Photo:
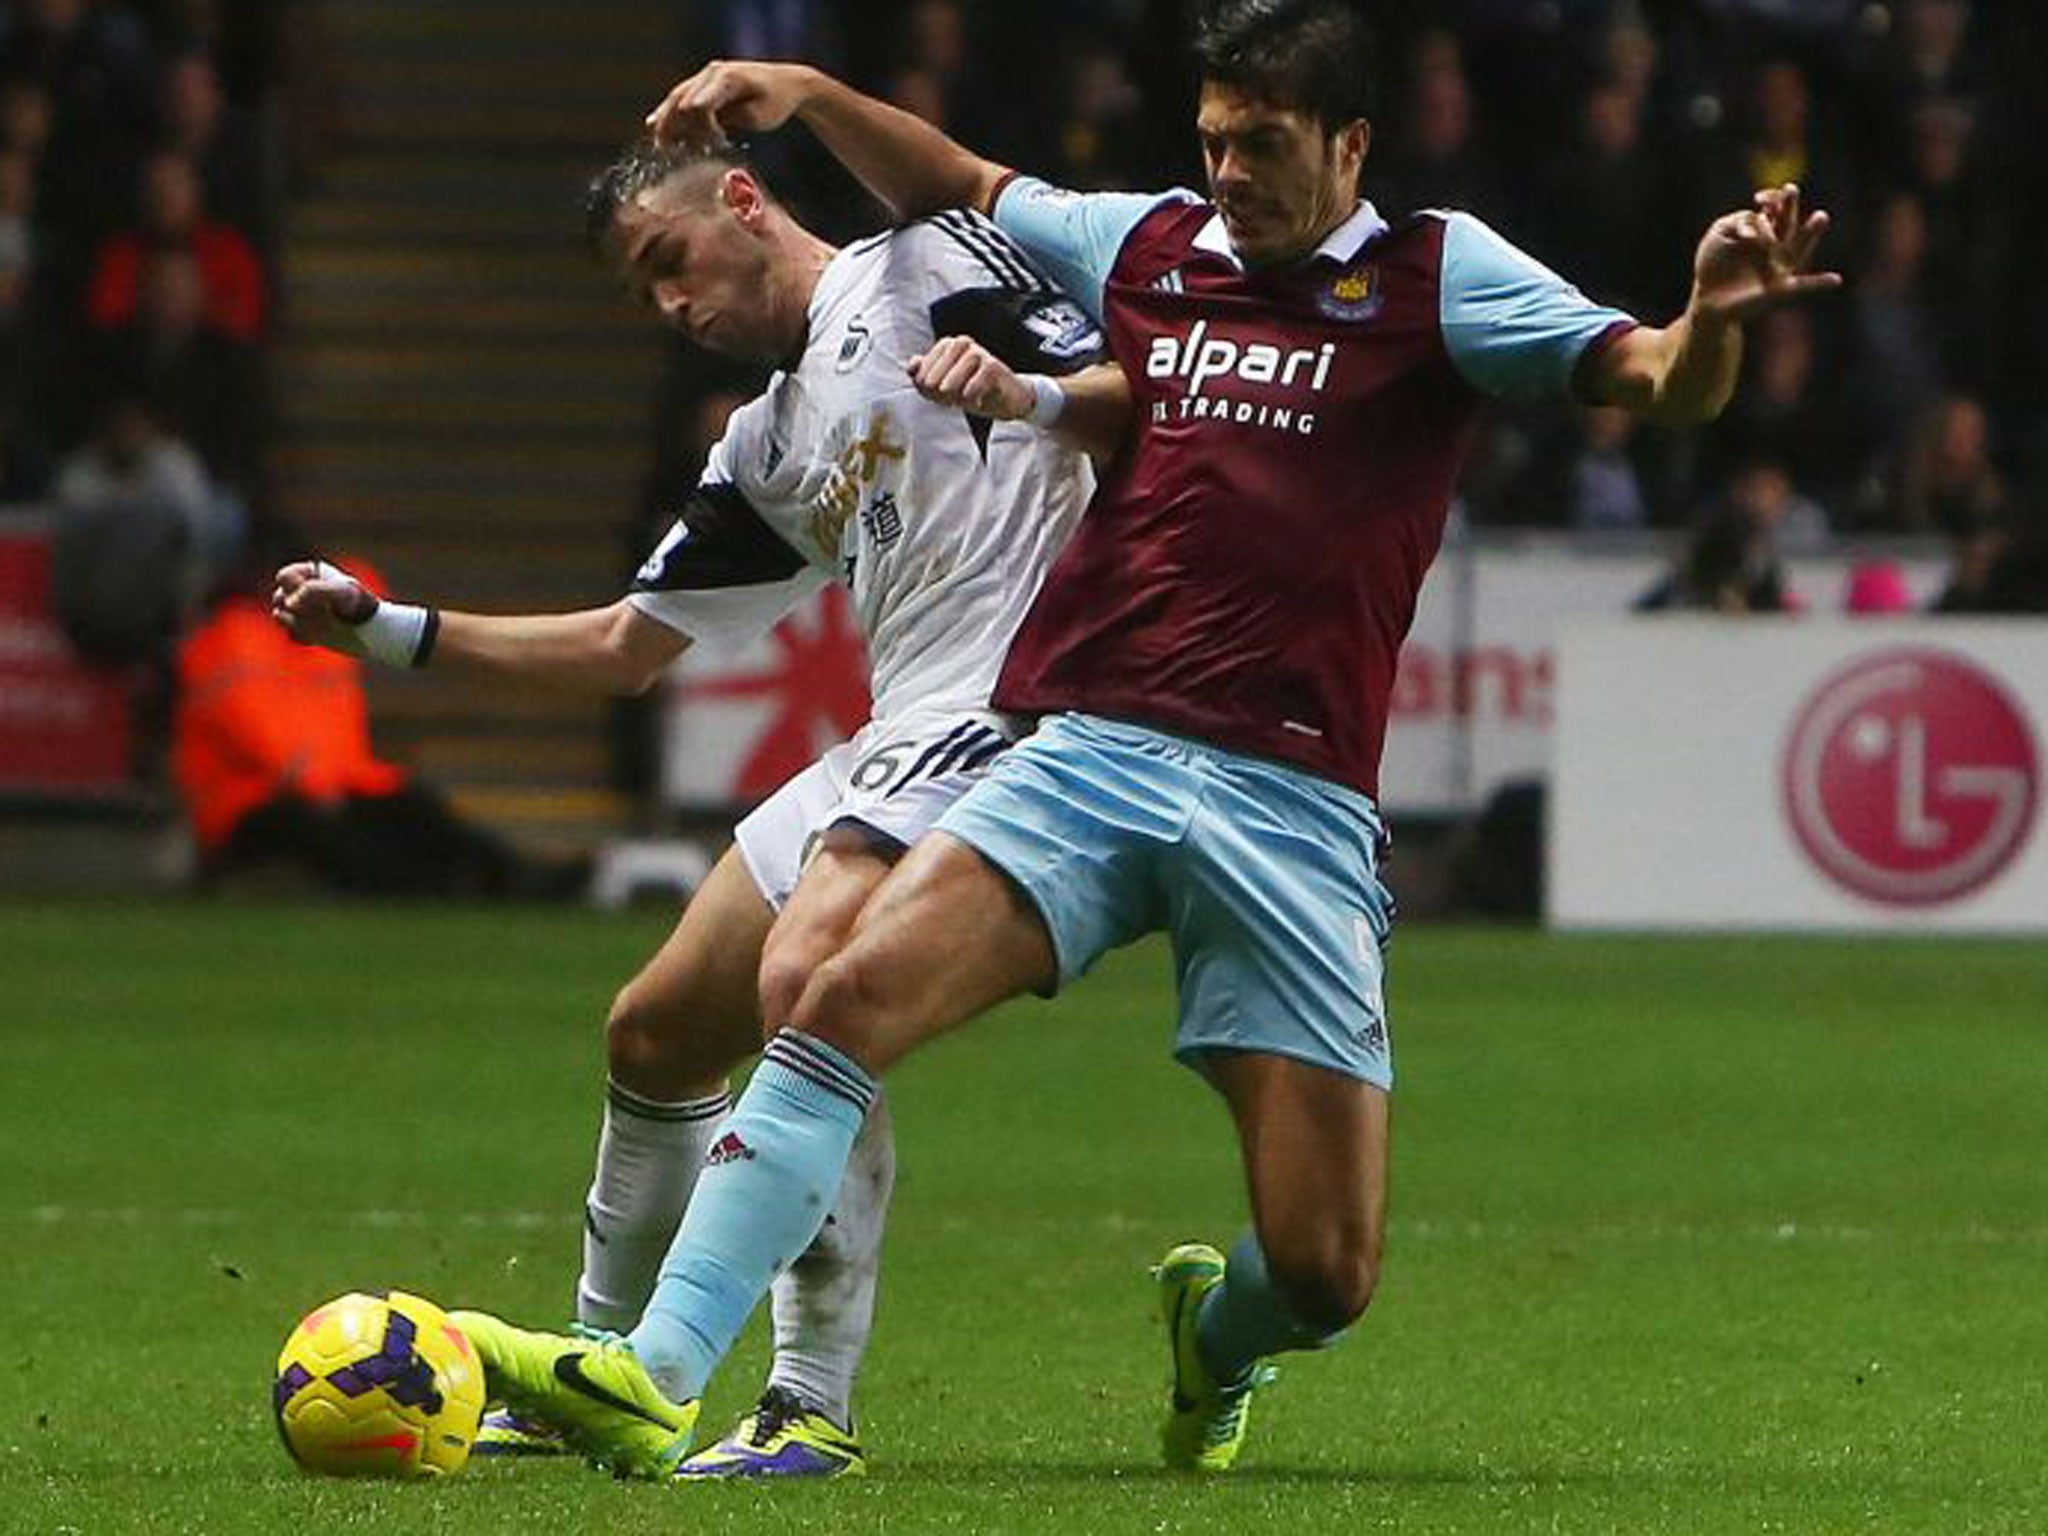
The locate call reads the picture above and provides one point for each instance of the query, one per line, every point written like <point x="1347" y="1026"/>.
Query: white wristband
<point x="1047" y="400"/>
<point x="397" y="634"/>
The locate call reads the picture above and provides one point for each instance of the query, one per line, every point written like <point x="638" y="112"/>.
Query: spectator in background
<point x="1947" y="481"/>
<point x="1600" y="209"/>
<point x="1782" y="412"/>
<point x="1731" y="562"/>
<point x="1777" y="141"/>
<point x="22" y="465"/>
<point x="26" y="116"/>
<point x="1436" y="162"/>
<point x="1580" y="472"/>
<point x="221" y="141"/>
<point x="203" y="379"/>
<point x="271" y="752"/>
<point x="1628" y="56"/>
<point x="1897" y="370"/>
<point x="1924" y="53"/>
<point x="133" y="460"/>
<point x="1966" y="222"/>
<point x="94" y="63"/>
<point x="173" y="217"/>
<point x="1603" y="491"/>
<point x="1933" y="57"/>
<point x="2000" y="567"/>
<point x="942" y="76"/>
<point x="1972" y="558"/>
<point x="1762" y="494"/>
<point x="1100" y="138"/>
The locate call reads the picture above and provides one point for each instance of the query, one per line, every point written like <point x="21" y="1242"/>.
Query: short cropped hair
<point x="1307" y="56"/>
<point x="640" y="168"/>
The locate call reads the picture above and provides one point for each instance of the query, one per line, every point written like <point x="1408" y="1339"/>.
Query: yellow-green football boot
<point x="1205" y="1419"/>
<point x="595" y="1391"/>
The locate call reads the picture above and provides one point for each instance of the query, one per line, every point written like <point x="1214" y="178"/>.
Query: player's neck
<point x="805" y="258"/>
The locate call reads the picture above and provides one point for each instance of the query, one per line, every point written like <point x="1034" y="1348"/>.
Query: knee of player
<point x="639" y="1035"/>
<point x="843" y="1002"/>
<point x="1329" y="1285"/>
<point x="785" y="971"/>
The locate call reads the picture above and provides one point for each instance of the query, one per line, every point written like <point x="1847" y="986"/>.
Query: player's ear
<point x="743" y="195"/>
<point x="1354" y="142"/>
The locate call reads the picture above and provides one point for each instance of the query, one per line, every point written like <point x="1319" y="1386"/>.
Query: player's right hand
<point x="320" y="604"/>
<point x="964" y="374"/>
<point x="727" y="97"/>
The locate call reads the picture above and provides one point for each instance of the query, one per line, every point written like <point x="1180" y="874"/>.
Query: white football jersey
<point x="942" y="524"/>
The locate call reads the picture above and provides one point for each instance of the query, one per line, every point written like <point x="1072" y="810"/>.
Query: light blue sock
<point x="1246" y="1318"/>
<point x="767" y="1187"/>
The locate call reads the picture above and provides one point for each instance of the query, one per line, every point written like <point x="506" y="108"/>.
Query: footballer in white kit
<point x="941" y="524"/>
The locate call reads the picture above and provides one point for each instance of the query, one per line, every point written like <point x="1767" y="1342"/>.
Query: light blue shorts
<point x="1265" y="877"/>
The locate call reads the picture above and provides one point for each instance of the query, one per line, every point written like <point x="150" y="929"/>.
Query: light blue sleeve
<point x="1513" y="326"/>
<point x="1075" y="236"/>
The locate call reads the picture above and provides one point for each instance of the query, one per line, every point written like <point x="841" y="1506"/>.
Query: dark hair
<point x="643" y="166"/>
<point x="1310" y="56"/>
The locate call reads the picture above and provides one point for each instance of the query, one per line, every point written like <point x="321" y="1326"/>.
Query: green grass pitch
<point x="1713" y="1235"/>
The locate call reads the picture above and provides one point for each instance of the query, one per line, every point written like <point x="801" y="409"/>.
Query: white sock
<point x="824" y="1304"/>
<point x="648" y="1157"/>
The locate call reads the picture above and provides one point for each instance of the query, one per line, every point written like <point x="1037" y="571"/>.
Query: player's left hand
<point x="1756" y="259"/>
<point x="962" y="373"/>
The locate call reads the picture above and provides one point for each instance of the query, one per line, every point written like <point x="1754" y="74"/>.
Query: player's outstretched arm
<point x="1090" y="408"/>
<point x="903" y="160"/>
<point x="616" y="649"/>
<point x="1747" y="262"/>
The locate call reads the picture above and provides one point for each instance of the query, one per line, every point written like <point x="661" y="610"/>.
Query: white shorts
<point x="893" y="780"/>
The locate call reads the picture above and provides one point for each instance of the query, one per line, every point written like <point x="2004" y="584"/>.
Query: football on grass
<point x="378" y="1386"/>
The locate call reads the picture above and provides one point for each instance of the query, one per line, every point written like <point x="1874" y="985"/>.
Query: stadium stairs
<point x="462" y="396"/>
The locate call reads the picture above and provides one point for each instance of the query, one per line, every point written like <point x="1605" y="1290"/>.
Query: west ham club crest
<point x="1354" y="294"/>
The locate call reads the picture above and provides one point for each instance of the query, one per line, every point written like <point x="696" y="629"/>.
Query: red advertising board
<point x="64" y="726"/>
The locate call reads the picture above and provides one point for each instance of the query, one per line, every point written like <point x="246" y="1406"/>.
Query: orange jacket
<point x="259" y="716"/>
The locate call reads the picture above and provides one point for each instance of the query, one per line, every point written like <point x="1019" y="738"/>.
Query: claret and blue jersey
<point x="1251" y="565"/>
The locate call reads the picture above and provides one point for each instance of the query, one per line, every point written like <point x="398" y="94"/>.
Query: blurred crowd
<point x="1603" y="136"/>
<point x="141" y="172"/>
<point x="143" y="157"/>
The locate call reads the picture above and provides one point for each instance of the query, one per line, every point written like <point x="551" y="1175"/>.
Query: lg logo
<point x="1911" y="777"/>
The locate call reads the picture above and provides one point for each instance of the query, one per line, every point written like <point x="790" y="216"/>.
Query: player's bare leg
<point x="945" y="938"/>
<point x="1314" y="1145"/>
<point x="942" y="938"/>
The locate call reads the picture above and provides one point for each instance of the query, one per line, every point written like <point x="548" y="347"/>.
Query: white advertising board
<point x="1801" y="774"/>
